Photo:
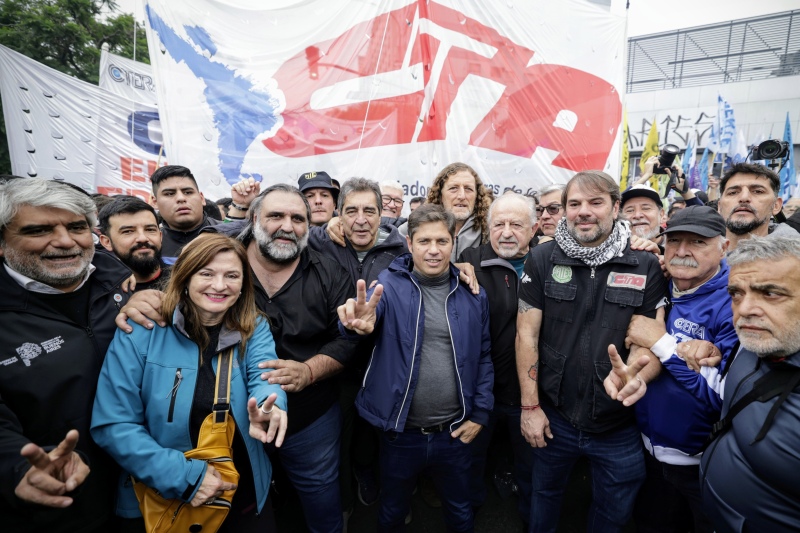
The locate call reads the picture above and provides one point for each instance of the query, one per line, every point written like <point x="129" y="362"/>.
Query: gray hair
<point x="391" y="184"/>
<point x="37" y="192"/>
<point x="515" y="197"/>
<point x="255" y="207"/>
<point x="360" y="185"/>
<point x="769" y="248"/>
<point x="552" y="188"/>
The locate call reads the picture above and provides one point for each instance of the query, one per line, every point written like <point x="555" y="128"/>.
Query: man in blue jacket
<point x="428" y="387"/>
<point x="681" y="405"/>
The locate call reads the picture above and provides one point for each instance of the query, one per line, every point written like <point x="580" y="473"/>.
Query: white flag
<point x="389" y="89"/>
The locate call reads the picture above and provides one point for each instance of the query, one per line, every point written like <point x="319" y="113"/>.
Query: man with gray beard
<point x="749" y="473"/>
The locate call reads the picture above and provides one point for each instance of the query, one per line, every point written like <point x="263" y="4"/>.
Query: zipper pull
<point x="178" y="379"/>
<point x="507" y="285"/>
<point x="592" y="273"/>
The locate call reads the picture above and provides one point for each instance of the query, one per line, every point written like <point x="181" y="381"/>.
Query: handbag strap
<point x="222" y="391"/>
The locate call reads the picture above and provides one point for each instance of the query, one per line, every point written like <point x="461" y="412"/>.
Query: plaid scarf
<point x="613" y="246"/>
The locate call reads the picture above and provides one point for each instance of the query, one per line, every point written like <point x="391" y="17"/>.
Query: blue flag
<point x="788" y="173"/>
<point x="703" y="170"/>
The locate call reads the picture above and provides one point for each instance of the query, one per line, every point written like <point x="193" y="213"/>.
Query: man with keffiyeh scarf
<point x="578" y="294"/>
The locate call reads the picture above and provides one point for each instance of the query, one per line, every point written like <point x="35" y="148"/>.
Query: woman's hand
<point x="211" y="487"/>
<point x="270" y="417"/>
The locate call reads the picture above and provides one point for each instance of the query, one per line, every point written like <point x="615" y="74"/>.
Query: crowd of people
<point x="362" y="352"/>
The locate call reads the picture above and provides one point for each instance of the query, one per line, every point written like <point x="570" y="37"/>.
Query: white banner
<point x="62" y="128"/>
<point x="527" y="92"/>
<point x="127" y="78"/>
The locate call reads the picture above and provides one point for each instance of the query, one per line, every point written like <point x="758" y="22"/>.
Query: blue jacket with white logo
<point x="391" y="378"/>
<point x="144" y="400"/>
<point x="676" y="414"/>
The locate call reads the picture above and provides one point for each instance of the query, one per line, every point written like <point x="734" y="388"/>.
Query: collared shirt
<point x="30" y="284"/>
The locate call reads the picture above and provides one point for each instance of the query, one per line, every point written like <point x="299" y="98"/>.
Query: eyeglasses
<point x="552" y="209"/>
<point x="391" y="200"/>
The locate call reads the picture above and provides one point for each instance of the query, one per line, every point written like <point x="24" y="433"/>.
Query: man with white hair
<point x="391" y="198"/>
<point x="749" y="473"/>
<point x="58" y="299"/>
<point x="643" y="208"/>
<point x="499" y="267"/>
<point x="550" y="209"/>
<point x="681" y="405"/>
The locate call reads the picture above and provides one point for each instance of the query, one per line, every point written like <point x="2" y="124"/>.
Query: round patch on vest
<point x="562" y="273"/>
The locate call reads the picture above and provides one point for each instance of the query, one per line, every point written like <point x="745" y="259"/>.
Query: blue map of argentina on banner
<point x="241" y="111"/>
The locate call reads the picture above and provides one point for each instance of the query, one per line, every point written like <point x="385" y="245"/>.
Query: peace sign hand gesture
<point x="359" y="315"/>
<point x="623" y="382"/>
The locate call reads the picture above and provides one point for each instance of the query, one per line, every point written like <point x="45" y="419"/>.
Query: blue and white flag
<point x="702" y="169"/>
<point x="740" y="151"/>
<point x="788" y="173"/>
<point x="723" y="130"/>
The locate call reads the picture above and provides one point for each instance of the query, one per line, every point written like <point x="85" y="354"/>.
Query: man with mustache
<point x="57" y="297"/>
<point x="577" y="296"/>
<point x="129" y="229"/>
<point x="300" y="291"/>
<point x="682" y="404"/>
<point x="749" y="198"/>
<point x="749" y="472"/>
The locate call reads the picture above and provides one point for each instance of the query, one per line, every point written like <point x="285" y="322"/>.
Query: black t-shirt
<point x="73" y="305"/>
<point x="244" y="500"/>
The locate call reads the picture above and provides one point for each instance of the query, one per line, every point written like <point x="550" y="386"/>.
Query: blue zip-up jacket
<point x="676" y="414"/>
<point x="393" y="371"/>
<point x="143" y="404"/>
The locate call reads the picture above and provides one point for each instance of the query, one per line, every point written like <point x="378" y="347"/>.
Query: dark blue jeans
<point x="310" y="458"/>
<point x="403" y="456"/>
<point x="616" y="460"/>
<point x="504" y="417"/>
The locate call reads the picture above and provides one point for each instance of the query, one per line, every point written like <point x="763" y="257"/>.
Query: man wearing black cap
<point x="321" y="194"/>
<point x="681" y="405"/>
<point x="642" y="207"/>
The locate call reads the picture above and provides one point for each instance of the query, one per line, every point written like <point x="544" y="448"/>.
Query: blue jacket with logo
<point x="681" y="405"/>
<point x="143" y="404"/>
<point x="393" y="371"/>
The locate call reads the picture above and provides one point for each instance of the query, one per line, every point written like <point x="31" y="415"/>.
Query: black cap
<point x="699" y="219"/>
<point x="317" y="180"/>
<point x="641" y="190"/>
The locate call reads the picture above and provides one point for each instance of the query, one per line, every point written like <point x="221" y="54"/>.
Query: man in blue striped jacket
<point x="681" y="405"/>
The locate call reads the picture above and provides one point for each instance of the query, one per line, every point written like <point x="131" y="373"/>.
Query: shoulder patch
<point x="562" y="273"/>
<point x="628" y="281"/>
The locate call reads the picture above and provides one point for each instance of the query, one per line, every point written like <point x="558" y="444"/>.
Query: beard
<point x="279" y="253"/>
<point x="645" y="232"/>
<point x="743" y="227"/>
<point x="779" y="344"/>
<point x="32" y="265"/>
<point x="603" y="228"/>
<point x="142" y="265"/>
<point x="508" y="253"/>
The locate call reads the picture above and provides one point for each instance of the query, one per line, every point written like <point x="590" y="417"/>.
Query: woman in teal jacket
<point x="157" y="386"/>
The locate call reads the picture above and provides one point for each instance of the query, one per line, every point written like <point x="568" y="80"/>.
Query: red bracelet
<point x="529" y="407"/>
<point x="310" y="372"/>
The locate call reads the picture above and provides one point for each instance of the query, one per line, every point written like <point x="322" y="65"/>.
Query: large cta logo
<point x="394" y="80"/>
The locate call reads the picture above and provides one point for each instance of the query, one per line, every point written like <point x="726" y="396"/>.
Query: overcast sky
<point x="648" y="16"/>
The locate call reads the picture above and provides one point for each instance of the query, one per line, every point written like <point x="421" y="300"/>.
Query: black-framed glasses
<point x="386" y="199"/>
<point x="552" y="209"/>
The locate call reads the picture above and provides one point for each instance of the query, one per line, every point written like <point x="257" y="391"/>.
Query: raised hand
<point x="359" y="315"/>
<point x="268" y="416"/>
<point x="244" y="192"/>
<point x="52" y="474"/>
<point x="623" y="382"/>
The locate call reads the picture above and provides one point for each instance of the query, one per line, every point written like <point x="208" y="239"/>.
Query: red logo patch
<point x="629" y="281"/>
<point x="521" y="120"/>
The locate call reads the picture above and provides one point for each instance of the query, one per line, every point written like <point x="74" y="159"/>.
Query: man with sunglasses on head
<point x="549" y="211"/>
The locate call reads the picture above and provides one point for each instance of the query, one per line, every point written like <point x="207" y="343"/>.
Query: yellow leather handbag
<point x="163" y="515"/>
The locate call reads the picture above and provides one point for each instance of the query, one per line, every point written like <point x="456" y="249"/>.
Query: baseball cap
<point x="641" y="190"/>
<point x="699" y="219"/>
<point x="317" y="180"/>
